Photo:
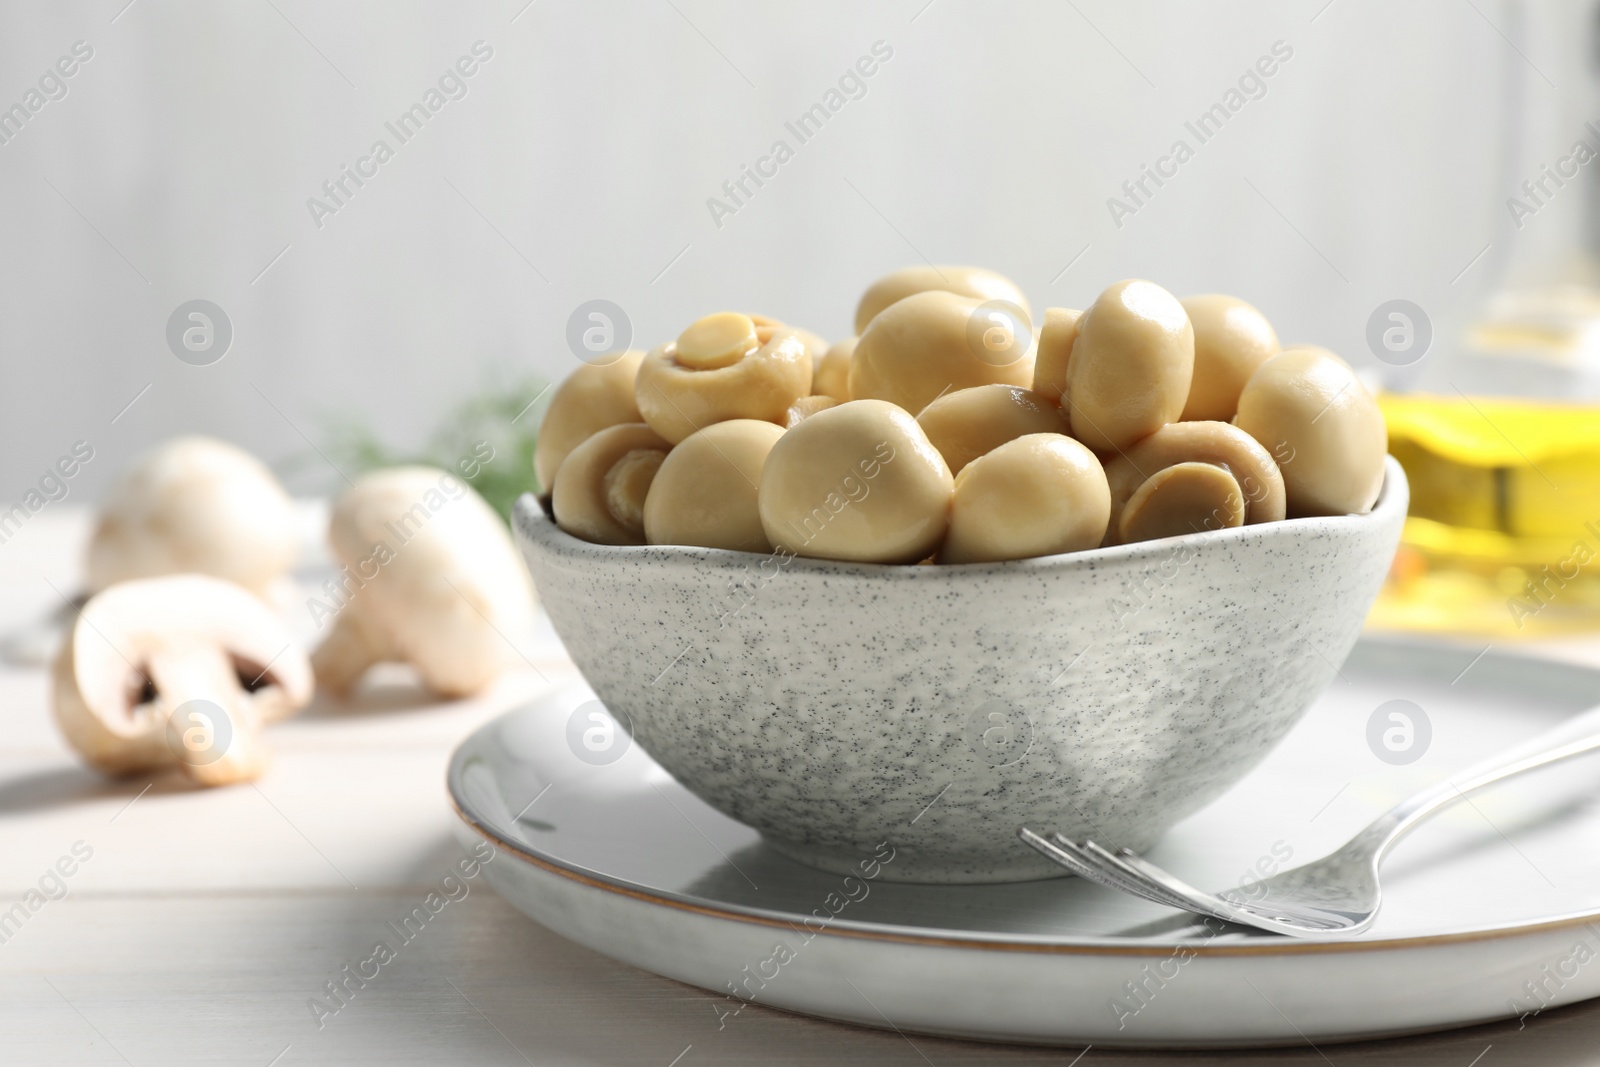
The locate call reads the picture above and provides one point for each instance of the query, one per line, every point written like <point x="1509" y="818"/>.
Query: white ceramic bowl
<point x="835" y="706"/>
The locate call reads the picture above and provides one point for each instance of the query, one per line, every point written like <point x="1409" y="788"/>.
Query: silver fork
<point x="1337" y="895"/>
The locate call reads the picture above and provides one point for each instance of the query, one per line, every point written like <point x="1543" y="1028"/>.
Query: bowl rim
<point x="532" y="523"/>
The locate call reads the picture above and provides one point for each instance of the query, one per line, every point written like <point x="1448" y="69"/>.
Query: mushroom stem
<point x="212" y="730"/>
<point x="352" y="647"/>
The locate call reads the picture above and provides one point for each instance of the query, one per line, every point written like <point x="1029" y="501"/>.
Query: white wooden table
<point x="203" y="922"/>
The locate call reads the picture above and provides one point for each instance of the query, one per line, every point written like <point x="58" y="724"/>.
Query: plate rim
<point x="1252" y="945"/>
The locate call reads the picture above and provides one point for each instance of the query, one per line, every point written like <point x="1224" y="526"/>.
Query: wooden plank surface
<point x="203" y="922"/>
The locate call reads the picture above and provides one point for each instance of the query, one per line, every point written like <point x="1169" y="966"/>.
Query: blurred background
<point x="586" y="154"/>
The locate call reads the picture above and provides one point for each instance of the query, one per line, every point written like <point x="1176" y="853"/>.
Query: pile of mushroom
<point x="180" y="657"/>
<point x="949" y="429"/>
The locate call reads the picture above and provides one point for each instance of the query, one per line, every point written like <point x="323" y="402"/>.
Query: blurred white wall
<point x="580" y="160"/>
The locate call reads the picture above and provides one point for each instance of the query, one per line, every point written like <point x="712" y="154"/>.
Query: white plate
<point x="1490" y="910"/>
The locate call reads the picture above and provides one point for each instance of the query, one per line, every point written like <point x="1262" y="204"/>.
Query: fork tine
<point x="1060" y="855"/>
<point x="1178" y="893"/>
<point x="1112" y="865"/>
<point x="1071" y="856"/>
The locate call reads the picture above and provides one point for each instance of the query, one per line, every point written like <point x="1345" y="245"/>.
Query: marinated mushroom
<point x="1056" y="338"/>
<point x="178" y="671"/>
<point x="976" y="282"/>
<point x="1231" y="339"/>
<point x="705" y="492"/>
<point x="832" y="376"/>
<point x="1310" y="410"/>
<point x="593" y="397"/>
<point x="1131" y="365"/>
<point x="195" y="505"/>
<point x="947" y="364"/>
<point x="814" y="342"/>
<point x="601" y="488"/>
<point x="967" y="423"/>
<point x="1037" y="495"/>
<point x="816" y="347"/>
<point x="1215" y="443"/>
<point x="429" y="578"/>
<point x="723" y="366"/>
<point x="927" y="345"/>
<point x="807" y="406"/>
<point x="858" y="482"/>
<point x="1182" y="499"/>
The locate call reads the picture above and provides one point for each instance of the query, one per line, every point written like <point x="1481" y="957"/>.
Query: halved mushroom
<point x="177" y="671"/>
<point x="430" y="578"/>
<point x="195" y="505"/>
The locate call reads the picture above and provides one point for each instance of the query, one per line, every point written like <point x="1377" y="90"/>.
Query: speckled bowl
<point x="835" y="706"/>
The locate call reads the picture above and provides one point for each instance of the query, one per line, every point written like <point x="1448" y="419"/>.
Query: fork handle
<point x="1574" y="737"/>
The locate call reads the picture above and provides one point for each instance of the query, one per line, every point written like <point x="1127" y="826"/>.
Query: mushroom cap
<point x="967" y="423"/>
<point x="591" y="398"/>
<point x="1056" y="338"/>
<point x="926" y="345"/>
<point x="1308" y="408"/>
<point x="831" y="376"/>
<point x="805" y="407"/>
<point x="601" y="490"/>
<point x="977" y="282"/>
<point x="676" y="398"/>
<point x="195" y="505"/>
<point x="175" y="639"/>
<point x="816" y="346"/>
<point x="1131" y="365"/>
<point x="1217" y="443"/>
<point x="435" y="578"/>
<point x="1231" y="339"/>
<point x="1036" y="495"/>
<point x="704" y="493"/>
<point x="856" y="482"/>
<point x="1184" y="498"/>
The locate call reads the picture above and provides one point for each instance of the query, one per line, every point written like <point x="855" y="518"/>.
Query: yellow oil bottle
<point x="1503" y="537"/>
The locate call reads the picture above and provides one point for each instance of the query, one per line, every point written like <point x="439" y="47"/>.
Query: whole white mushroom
<point x="429" y="578"/>
<point x="195" y="505"/>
